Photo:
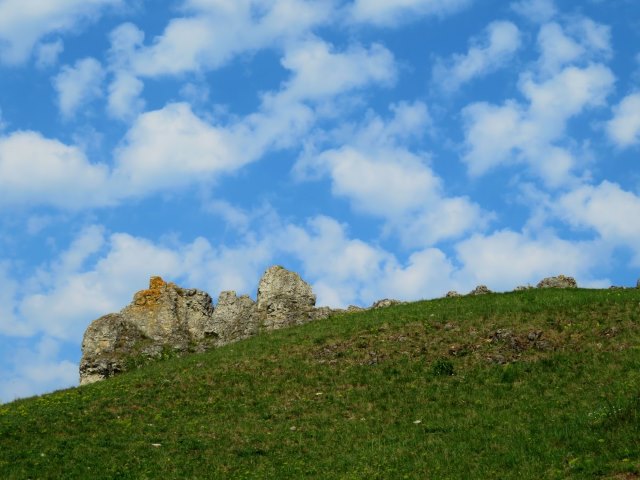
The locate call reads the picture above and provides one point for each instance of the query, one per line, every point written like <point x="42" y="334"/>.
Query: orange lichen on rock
<point x="150" y="296"/>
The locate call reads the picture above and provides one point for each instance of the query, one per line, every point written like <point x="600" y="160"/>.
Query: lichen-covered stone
<point x="170" y="314"/>
<point x="164" y="316"/>
<point x="106" y="344"/>
<point x="167" y="317"/>
<point x="284" y="299"/>
<point x="480" y="290"/>
<point x="234" y="318"/>
<point x="558" y="282"/>
<point x="385" y="302"/>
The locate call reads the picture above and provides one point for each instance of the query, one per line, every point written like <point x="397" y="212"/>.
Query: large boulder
<point x="234" y="318"/>
<point x="162" y="317"/>
<point x="557" y="282"/>
<point x="284" y="299"/>
<point x="107" y="345"/>
<point x="480" y="290"/>
<point x="170" y="314"/>
<point x="165" y="317"/>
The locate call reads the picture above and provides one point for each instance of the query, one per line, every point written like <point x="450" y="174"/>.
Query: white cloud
<point x="381" y="177"/>
<point x="171" y="148"/>
<point x="47" y="53"/>
<point x="582" y="40"/>
<point x="624" y="127"/>
<point x="24" y="22"/>
<point x="505" y="259"/>
<point x="536" y="10"/>
<point x="38" y="171"/>
<point x="320" y="72"/>
<point x="124" y="100"/>
<point x="78" y="85"/>
<point x="606" y="208"/>
<point x="387" y="183"/>
<point x="530" y="133"/>
<point x="216" y="31"/>
<point x="388" y="13"/>
<point x="498" y="45"/>
<point x="36" y="370"/>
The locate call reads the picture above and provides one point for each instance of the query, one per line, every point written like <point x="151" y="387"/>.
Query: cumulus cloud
<point x="35" y="170"/>
<point x="530" y="133"/>
<point x="24" y="22"/>
<point x="504" y="259"/>
<point x="606" y="209"/>
<point x="380" y="176"/>
<point x="624" y="128"/>
<point x="47" y="53"/>
<point x="582" y="40"/>
<point x="485" y="55"/>
<point x="171" y="147"/>
<point x="320" y="72"/>
<point x="78" y="85"/>
<point x="536" y="10"/>
<point x="34" y="370"/>
<point x="212" y="33"/>
<point x="124" y="100"/>
<point x="386" y="13"/>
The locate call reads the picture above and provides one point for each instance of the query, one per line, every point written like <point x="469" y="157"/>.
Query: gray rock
<point x="234" y="318"/>
<point x="167" y="317"/>
<point x="321" y="313"/>
<point x="452" y="294"/>
<point x="355" y="308"/>
<point x="169" y="314"/>
<point x="162" y="317"/>
<point x="284" y="299"/>
<point x="480" y="290"/>
<point x="558" y="282"/>
<point x="106" y="345"/>
<point x="385" y="302"/>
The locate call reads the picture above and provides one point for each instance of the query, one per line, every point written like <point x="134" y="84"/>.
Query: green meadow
<point x="538" y="384"/>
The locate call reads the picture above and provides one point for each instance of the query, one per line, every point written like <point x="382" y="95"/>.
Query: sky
<point x="380" y="148"/>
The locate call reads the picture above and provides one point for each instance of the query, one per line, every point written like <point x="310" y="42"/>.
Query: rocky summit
<point x="168" y="319"/>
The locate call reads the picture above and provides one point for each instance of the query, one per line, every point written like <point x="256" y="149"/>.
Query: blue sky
<point x="380" y="148"/>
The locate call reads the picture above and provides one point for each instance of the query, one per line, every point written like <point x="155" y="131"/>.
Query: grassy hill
<point x="529" y="385"/>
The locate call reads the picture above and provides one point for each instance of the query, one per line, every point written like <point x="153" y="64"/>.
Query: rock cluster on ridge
<point x="560" y="281"/>
<point x="168" y="319"/>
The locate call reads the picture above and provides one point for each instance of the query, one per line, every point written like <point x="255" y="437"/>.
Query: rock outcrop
<point x="234" y="318"/>
<point x="166" y="318"/>
<point x="558" y="282"/>
<point x="284" y="299"/>
<point x="480" y="290"/>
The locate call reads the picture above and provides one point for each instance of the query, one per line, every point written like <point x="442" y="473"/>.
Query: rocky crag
<point x="166" y="319"/>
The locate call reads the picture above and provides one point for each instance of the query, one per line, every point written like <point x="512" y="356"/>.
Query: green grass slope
<point x="530" y="385"/>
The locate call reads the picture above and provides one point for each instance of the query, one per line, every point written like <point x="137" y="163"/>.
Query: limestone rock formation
<point x="385" y="302"/>
<point x="234" y="318"/>
<point x="284" y="299"/>
<point x="164" y="316"/>
<point x="167" y="317"/>
<point x="480" y="290"/>
<point x="452" y="294"/>
<point x="558" y="282"/>
<point x="106" y="345"/>
<point x="170" y="314"/>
